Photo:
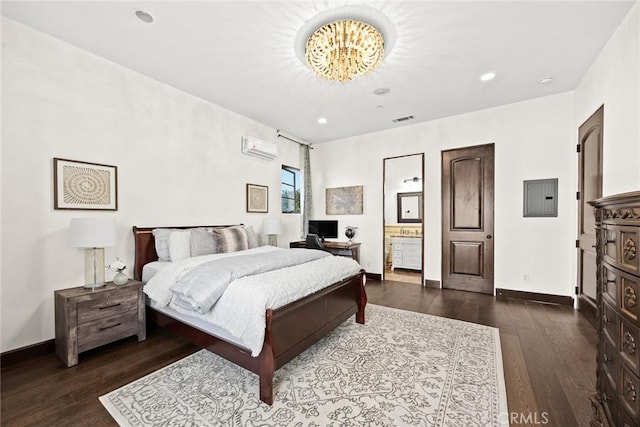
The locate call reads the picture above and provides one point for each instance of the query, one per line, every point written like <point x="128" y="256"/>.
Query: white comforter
<point x="241" y="308"/>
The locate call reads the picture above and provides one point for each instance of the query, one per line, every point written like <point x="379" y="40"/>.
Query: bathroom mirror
<point x="410" y="207"/>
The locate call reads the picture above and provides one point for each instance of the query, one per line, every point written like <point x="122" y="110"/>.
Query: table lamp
<point x="272" y="227"/>
<point x="93" y="235"/>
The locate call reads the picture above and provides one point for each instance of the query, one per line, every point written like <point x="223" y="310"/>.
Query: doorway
<point x="590" y="188"/>
<point x="403" y="218"/>
<point x="467" y="218"/>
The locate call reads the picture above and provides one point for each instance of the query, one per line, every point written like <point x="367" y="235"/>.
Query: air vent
<point x="402" y="119"/>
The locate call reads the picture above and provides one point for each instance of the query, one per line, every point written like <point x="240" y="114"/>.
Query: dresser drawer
<point x="103" y="305"/>
<point x="628" y="390"/>
<point x="629" y="341"/>
<point x="608" y="362"/>
<point x="610" y="401"/>
<point x="610" y="285"/>
<point x="627" y="420"/>
<point x="629" y="295"/>
<point x="105" y="330"/>
<point x="610" y="323"/>
<point x="621" y="247"/>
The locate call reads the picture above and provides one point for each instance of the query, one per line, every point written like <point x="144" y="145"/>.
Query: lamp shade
<point x="271" y="226"/>
<point x="92" y="233"/>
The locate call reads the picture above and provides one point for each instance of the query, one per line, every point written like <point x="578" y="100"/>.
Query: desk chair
<point x="313" y="242"/>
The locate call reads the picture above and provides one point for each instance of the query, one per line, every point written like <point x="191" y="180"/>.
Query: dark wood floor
<point x="548" y="354"/>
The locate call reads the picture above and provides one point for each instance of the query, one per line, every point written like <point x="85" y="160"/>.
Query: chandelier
<point x="342" y="50"/>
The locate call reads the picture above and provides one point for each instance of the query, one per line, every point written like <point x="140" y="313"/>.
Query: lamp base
<point x="93" y="267"/>
<point x="272" y="239"/>
<point x="95" y="285"/>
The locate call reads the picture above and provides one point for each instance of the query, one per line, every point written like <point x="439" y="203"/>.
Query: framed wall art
<point x="257" y="198"/>
<point x="344" y="200"/>
<point x="84" y="186"/>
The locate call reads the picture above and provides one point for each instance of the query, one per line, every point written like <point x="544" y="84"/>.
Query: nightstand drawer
<point x="107" y="304"/>
<point x="106" y="330"/>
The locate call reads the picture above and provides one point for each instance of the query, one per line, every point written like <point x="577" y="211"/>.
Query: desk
<point x="337" y="248"/>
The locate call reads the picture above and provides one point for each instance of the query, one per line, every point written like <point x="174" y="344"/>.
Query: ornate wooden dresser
<point x="618" y="302"/>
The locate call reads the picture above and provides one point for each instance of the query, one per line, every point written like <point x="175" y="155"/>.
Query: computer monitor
<point x="326" y="229"/>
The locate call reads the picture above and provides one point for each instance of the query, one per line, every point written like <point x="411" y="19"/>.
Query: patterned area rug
<point x="401" y="368"/>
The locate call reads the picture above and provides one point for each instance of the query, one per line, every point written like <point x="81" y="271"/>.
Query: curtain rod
<point x="281" y="135"/>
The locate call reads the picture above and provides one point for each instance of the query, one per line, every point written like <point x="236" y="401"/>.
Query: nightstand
<point x="87" y="318"/>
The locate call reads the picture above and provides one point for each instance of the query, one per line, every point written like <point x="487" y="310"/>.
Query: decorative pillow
<point x="161" y="236"/>
<point x="252" y="237"/>
<point x="180" y="245"/>
<point x="203" y="242"/>
<point x="231" y="239"/>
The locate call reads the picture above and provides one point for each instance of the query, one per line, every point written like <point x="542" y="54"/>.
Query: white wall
<point x="178" y="159"/>
<point x="179" y="162"/>
<point x="614" y="80"/>
<point x="533" y="140"/>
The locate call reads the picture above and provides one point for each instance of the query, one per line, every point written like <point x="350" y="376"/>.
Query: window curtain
<point x="306" y="192"/>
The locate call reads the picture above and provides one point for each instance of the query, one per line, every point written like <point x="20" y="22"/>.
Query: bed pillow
<point x="231" y="239"/>
<point x="161" y="237"/>
<point x="203" y="242"/>
<point x="180" y="245"/>
<point x="252" y="237"/>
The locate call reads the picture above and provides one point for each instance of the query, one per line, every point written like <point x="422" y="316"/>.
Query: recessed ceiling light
<point x="487" y="76"/>
<point x="322" y="120"/>
<point x="546" y="80"/>
<point x="381" y="91"/>
<point x="144" y="16"/>
<point x="379" y="107"/>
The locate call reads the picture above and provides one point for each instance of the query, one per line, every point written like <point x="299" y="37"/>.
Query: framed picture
<point x="344" y="200"/>
<point x="257" y="198"/>
<point x="84" y="186"/>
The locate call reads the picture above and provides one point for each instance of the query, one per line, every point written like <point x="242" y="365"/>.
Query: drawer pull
<point x="104" y="328"/>
<point x="605" y="398"/>
<point x="605" y="358"/>
<point x="104" y="307"/>
<point x="629" y="391"/>
<point x="611" y="280"/>
<point x="629" y="343"/>
<point x="629" y="297"/>
<point x="629" y="249"/>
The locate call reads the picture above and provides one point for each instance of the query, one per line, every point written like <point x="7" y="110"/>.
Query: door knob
<point x="489" y="236"/>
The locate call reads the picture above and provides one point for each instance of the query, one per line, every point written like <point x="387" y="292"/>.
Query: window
<point x="290" y="189"/>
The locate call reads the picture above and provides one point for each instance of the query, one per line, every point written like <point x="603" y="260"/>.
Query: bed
<point x="289" y="330"/>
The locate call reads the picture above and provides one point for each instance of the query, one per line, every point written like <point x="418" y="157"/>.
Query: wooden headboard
<point x="145" y="245"/>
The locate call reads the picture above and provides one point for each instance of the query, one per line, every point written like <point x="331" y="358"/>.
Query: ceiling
<point x="241" y="55"/>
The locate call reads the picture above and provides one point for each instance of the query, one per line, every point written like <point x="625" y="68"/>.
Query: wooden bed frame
<point x="289" y="330"/>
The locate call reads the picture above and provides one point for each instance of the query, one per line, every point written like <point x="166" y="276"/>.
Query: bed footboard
<point x="295" y="327"/>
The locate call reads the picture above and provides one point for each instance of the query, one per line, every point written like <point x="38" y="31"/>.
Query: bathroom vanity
<point x="407" y="253"/>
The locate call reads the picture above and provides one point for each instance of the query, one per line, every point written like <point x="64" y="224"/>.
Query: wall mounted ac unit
<point x="253" y="146"/>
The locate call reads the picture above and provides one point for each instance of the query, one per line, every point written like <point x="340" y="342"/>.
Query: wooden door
<point x="467" y="218"/>
<point x="589" y="188"/>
